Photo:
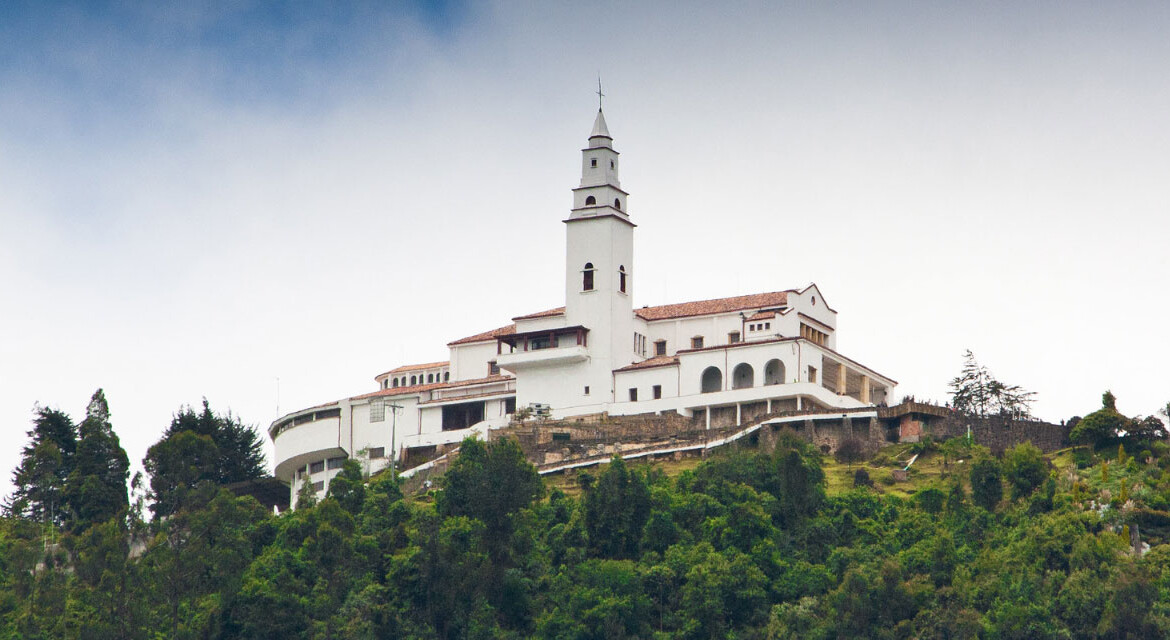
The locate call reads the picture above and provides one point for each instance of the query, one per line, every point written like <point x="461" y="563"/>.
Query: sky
<point x="267" y="207"/>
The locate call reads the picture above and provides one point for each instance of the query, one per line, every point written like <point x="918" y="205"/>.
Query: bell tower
<point x="599" y="268"/>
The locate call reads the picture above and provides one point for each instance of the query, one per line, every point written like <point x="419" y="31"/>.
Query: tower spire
<point x="600" y="95"/>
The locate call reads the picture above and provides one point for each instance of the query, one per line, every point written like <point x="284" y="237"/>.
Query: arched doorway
<point x="774" y="372"/>
<point x="743" y="376"/>
<point x="712" y="380"/>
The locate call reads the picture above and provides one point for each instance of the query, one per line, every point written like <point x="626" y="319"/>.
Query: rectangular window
<point x="633" y="395"/>
<point x="319" y="486"/>
<point x="377" y="411"/>
<point x="767" y="325"/>
<point x="335" y="463"/>
<point x="659" y="347"/>
<point x="697" y="342"/>
<point x="317" y="467"/>
<point x="593" y="162"/>
<point x="586" y="389"/>
<point x="733" y="337"/>
<point x="493" y="368"/>
<point x="812" y="374"/>
<point x="657" y="391"/>
<point x="377" y="452"/>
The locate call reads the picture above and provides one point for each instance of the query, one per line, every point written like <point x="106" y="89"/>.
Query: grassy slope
<point x="926" y="470"/>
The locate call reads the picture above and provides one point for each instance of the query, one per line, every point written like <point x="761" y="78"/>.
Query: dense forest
<point x="745" y="544"/>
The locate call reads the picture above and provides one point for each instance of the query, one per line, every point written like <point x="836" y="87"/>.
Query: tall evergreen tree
<point x="46" y="462"/>
<point x="201" y="449"/>
<point x="95" y="490"/>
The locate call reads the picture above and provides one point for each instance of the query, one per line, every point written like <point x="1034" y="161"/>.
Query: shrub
<point x="861" y="478"/>
<point x="1025" y="469"/>
<point x="850" y="450"/>
<point x="986" y="483"/>
<point x="930" y="499"/>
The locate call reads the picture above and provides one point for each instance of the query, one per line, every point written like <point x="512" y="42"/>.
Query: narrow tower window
<point x="590" y="200"/>
<point x="622" y="278"/>
<point x="593" y="162"/>
<point x="617" y="204"/>
<point x="587" y="277"/>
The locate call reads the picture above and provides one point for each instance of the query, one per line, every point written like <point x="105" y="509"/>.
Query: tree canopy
<point x="201" y="449"/>
<point x="977" y="393"/>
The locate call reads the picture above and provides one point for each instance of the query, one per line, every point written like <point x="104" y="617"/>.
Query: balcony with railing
<point x="544" y="348"/>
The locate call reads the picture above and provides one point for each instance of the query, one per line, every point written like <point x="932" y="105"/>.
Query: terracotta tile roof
<point x="486" y="335"/>
<point x="418" y="388"/>
<point x="656" y="361"/>
<point x="401" y="391"/>
<point x="763" y="315"/>
<point x="411" y="367"/>
<point x="415" y="367"/>
<point x="718" y="305"/>
<point x="559" y="311"/>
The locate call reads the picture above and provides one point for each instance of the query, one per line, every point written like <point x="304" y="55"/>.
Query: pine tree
<point x="197" y="449"/>
<point x="95" y="490"/>
<point x="46" y="462"/>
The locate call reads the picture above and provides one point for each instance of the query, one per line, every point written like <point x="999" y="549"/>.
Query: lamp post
<point x="393" y="432"/>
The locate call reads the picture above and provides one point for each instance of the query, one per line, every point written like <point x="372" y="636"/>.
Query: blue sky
<point x="196" y="202"/>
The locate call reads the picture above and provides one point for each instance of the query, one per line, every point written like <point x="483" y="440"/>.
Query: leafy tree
<point x="1025" y="469"/>
<point x="491" y="483"/>
<point x="1101" y="427"/>
<point x="348" y="487"/>
<point x="198" y="449"/>
<point x="849" y="451"/>
<point x="616" y="510"/>
<point x="46" y="462"/>
<point x="986" y="483"/>
<point x="181" y="467"/>
<point x="977" y="393"/>
<point x="96" y="488"/>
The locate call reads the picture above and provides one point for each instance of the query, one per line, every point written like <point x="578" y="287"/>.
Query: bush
<point x="930" y="499"/>
<point x="861" y="478"/>
<point x="1025" y="469"/>
<point x="850" y="450"/>
<point x="986" y="483"/>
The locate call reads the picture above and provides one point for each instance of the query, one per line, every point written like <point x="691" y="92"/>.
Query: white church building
<point x="597" y="354"/>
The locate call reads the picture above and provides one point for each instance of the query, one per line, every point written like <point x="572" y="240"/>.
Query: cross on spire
<point x="600" y="95"/>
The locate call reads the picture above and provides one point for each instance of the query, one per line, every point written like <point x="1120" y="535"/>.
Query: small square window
<point x="659" y="347"/>
<point x="657" y="391"/>
<point x="733" y="337"/>
<point x="697" y="342"/>
<point x="767" y="325"/>
<point x="633" y="395"/>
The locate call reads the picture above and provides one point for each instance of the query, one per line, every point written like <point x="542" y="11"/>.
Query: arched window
<point x="590" y="200"/>
<point x="446" y="376"/>
<point x="712" y="380"/>
<point x="617" y="203"/>
<point x="430" y="378"/>
<point x="743" y="376"/>
<point x="413" y="381"/>
<point x="587" y="277"/>
<point x="396" y="382"/>
<point x="774" y="372"/>
<point x="622" y="278"/>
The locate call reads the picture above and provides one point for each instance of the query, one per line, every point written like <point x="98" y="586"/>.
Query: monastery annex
<point x="600" y="353"/>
